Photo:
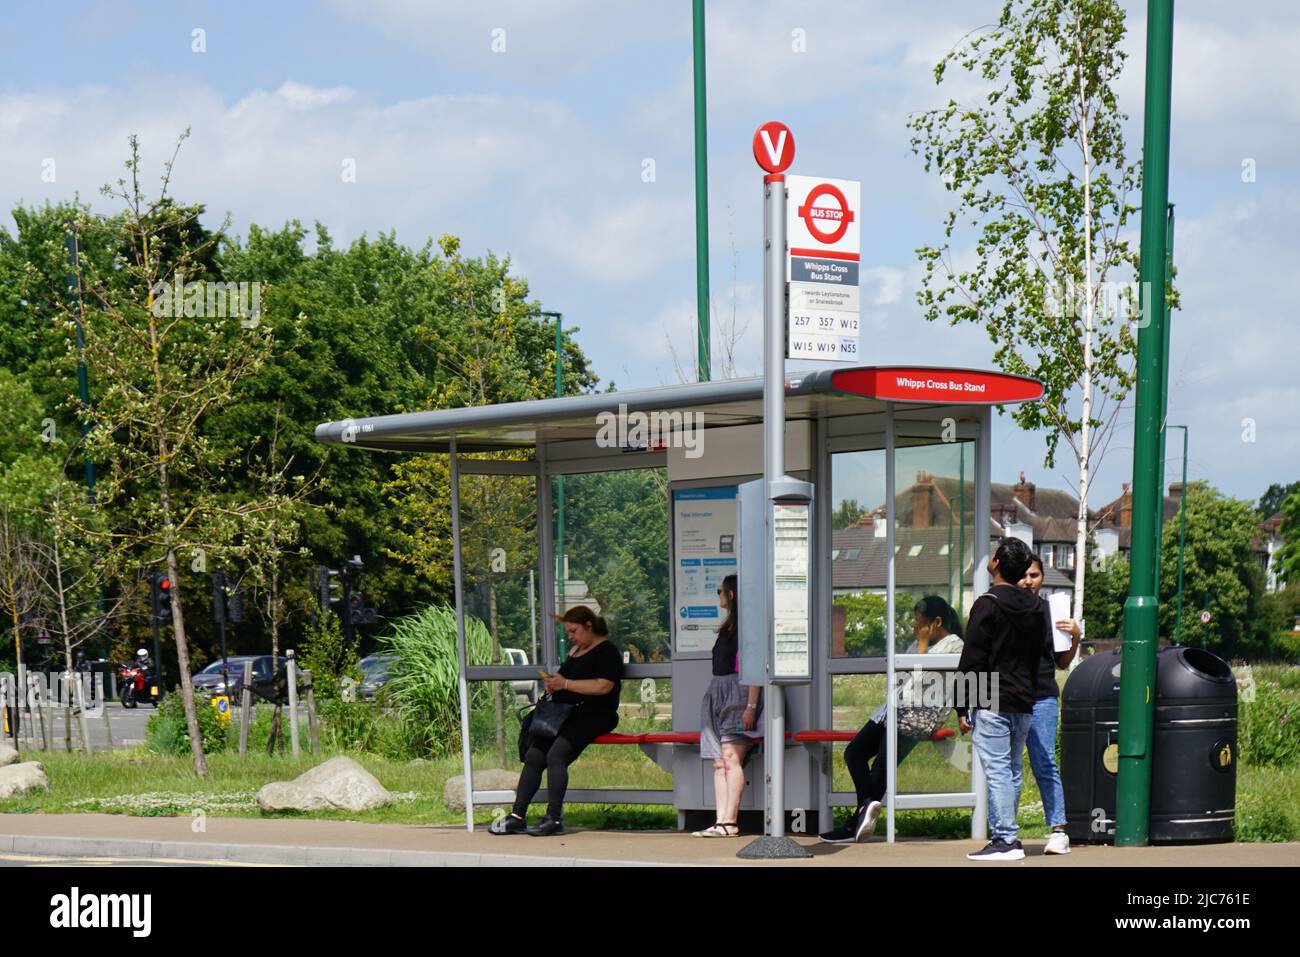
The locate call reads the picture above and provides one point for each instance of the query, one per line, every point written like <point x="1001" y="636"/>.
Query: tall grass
<point x="425" y="692"/>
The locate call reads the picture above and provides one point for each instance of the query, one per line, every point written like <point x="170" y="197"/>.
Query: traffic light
<point x="331" y="591"/>
<point x="235" y="604"/>
<point x="161" y="597"/>
<point x="360" y="614"/>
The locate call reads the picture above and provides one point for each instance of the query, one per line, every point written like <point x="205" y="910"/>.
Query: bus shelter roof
<point x="813" y="394"/>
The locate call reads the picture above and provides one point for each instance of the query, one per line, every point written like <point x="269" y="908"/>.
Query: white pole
<point x="293" y="698"/>
<point x="532" y="612"/>
<point x="462" y="656"/>
<point x="774" y="200"/>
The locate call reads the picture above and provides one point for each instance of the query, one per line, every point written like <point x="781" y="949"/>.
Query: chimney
<point x="1126" y="507"/>
<point x="863" y="522"/>
<point x="922" y="504"/>
<point x="1175" y="489"/>
<point x="880" y="522"/>
<point x="1024" y="491"/>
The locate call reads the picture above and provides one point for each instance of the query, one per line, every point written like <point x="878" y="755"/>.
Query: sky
<point x="527" y="128"/>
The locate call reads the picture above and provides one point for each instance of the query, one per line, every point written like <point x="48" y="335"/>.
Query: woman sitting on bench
<point x="937" y="630"/>
<point x="590" y="678"/>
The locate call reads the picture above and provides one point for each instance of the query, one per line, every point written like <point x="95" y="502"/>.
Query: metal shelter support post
<point x="462" y="657"/>
<point x="891" y="708"/>
<point x="546" y="563"/>
<point x="980" y="548"/>
<point x="823" y="598"/>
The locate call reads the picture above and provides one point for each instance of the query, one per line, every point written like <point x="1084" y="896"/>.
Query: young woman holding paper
<point x="1042" y="728"/>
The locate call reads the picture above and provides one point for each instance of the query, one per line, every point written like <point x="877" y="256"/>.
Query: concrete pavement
<point x="317" y="842"/>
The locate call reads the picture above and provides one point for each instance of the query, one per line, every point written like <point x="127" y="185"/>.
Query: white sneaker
<point x="867" y="826"/>
<point x="1058" y="842"/>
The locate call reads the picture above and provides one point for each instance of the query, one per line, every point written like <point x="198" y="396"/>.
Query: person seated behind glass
<point x="938" y="631"/>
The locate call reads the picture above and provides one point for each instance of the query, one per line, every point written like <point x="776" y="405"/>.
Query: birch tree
<point x="164" y="352"/>
<point x="1040" y="185"/>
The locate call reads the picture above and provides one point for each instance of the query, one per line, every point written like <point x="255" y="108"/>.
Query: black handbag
<point x="545" y="719"/>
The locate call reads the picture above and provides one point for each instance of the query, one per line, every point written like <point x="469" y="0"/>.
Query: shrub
<point x="327" y="656"/>
<point x="1269" y="730"/>
<point x="1290" y="679"/>
<point x="425" y="690"/>
<point x="166" y="732"/>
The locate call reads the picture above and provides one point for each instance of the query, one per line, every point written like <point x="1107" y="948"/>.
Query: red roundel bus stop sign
<point x="826" y="213"/>
<point x="774" y="147"/>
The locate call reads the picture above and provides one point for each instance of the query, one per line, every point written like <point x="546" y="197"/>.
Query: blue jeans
<point x="996" y="738"/>
<point x="1042" y="760"/>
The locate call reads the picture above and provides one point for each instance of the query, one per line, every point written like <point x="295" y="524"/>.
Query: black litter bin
<point x="1194" y="748"/>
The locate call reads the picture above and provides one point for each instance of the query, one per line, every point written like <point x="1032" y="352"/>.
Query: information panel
<point x="792" y="656"/>
<point x="704" y="553"/>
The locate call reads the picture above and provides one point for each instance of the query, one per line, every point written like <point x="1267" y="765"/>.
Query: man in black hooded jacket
<point x="1004" y="637"/>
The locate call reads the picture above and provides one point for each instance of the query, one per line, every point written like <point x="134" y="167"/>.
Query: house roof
<point x="922" y="557"/>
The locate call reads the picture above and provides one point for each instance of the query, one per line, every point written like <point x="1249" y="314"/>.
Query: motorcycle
<point x="135" y="686"/>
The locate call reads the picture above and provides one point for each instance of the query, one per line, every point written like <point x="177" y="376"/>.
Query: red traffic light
<point x="164" y="583"/>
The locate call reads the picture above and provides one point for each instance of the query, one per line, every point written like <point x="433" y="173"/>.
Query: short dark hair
<point x="1013" y="557"/>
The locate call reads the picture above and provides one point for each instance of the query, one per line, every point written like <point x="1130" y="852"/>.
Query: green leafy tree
<point x="1221" y="574"/>
<point x="161" y="363"/>
<point x="1288" y="556"/>
<point x="864" y="623"/>
<point x="1272" y="499"/>
<point x="848" y="513"/>
<point x="1103" y="605"/>
<point x="1040" y="181"/>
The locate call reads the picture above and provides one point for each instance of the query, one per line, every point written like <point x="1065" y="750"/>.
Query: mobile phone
<point x="542" y="674"/>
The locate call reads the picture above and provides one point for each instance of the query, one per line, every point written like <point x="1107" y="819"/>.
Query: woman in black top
<point x="728" y="721"/>
<point x="589" y="678"/>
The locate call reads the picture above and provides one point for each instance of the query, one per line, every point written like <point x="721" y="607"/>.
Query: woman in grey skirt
<point x="728" y="721"/>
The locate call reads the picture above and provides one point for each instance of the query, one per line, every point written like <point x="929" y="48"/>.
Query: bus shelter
<point x="626" y="501"/>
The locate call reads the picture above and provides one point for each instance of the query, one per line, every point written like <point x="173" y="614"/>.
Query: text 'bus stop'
<point x="626" y="501"/>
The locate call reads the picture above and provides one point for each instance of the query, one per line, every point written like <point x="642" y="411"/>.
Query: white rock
<point x="19" y="779"/>
<point x="338" y="784"/>
<point x="7" y="755"/>
<point x="491" y="779"/>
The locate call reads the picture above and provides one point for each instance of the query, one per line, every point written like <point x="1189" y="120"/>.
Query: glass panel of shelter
<point x="498" y="540"/>
<point x="933" y="551"/>
<point x="933" y="555"/>
<point x="611" y="554"/>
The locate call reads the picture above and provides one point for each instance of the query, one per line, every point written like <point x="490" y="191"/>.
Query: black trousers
<point x="867" y="762"/>
<point x="554" y="755"/>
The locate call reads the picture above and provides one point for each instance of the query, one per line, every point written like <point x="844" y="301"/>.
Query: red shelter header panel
<point x="915" y="384"/>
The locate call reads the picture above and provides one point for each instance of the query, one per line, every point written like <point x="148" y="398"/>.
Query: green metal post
<point x="1164" y="396"/>
<point x="701" y="200"/>
<point x="1133" y="795"/>
<point x="559" y="481"/>
<point x="83" y="384"/>
<point x="1182" y="540"/>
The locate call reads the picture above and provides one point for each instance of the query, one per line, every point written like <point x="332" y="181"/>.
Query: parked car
<point x="524" y="687"/>
<point x="211" y="680"/>
<point x="376" y="671"/>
